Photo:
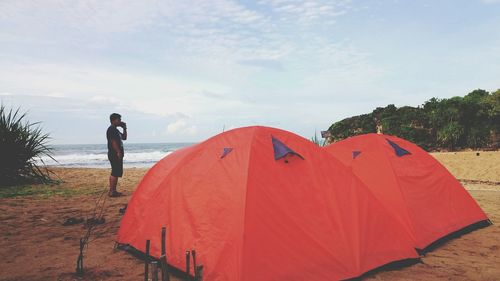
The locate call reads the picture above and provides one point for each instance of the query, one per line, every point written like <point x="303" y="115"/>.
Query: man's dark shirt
<point x="113" y="134"/>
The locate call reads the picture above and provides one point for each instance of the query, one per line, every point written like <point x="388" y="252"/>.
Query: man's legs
<point x="113" y="181"/>
<point x="116" y="172"/>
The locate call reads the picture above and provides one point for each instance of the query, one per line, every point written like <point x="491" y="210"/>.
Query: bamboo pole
<point x="79" y="261"/>
<point x="188" y="261"/>
<point x="198" y="276"/>
<point x="193" y="253"/>
<point x="146" y="262"/>
<point x="154" y="268"/>
<point x="163" y="259"/>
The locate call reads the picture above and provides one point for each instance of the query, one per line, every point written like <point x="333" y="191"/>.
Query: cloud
<point x="152" y="93"/>
<point x="263" y="63"/>
<point x="102" y="100"/>
<point x="56" y="95"/>
<point x="75" y="120"/>
<point x="96" y="16"/>
<point x="307" y="13"/>
<point x="181" y="127"/>
<point x="189" y="67"/>
<point x="176" y="126"/>
<point x="215" y="33"/>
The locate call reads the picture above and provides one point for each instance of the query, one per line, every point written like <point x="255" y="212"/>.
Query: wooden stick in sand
<point x="198" y="269"/>
<point x="199" y="273"/>
<point x="163" y="259"/>
<point x="193" y="253"/>
<point x="146" y="262"/>
<point x="79" y="261"/>
<point x="154" y="268"/>
<point x="188" y="263"/>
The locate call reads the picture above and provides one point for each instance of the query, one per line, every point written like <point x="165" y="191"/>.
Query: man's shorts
<point x="116" y="165"/>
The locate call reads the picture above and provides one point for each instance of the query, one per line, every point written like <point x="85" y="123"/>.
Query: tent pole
<point x="154" y="269"/>
<point x="163" y="258"/>
<point x="198" y="276"/>
<point x="146" y="262"/>
<point x="188" y="261"/>
<point x="79" y="261"/>
<point x="193" y="253"/>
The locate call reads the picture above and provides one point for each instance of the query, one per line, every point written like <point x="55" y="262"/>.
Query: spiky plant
<point x="316" y="140"/>
<point x="22" y="145"/>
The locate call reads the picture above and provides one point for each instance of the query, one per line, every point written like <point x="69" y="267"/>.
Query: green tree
<point x="450" y="135"/>
<point x="454" y="123"/>
<point x="475" y="119"/>
<point x="357" y="125"/>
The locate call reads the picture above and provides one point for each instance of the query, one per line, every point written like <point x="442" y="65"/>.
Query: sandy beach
<point x="34" y="244"/>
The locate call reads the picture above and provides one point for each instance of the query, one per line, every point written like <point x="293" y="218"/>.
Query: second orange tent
<point x="425" y="197"/>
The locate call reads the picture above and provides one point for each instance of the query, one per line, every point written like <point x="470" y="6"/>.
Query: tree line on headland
<point x="472" y="121"/>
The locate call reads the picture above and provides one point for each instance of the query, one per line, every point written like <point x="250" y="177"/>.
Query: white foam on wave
<point x="100" y="160"/>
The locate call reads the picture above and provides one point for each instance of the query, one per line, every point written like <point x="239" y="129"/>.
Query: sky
<point x="185" y="70"/>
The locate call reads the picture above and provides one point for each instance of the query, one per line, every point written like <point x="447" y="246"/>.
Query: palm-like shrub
<point x="317" y="141"/>
<point x="22" y="145"/>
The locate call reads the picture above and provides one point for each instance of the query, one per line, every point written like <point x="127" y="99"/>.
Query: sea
<point x="137" y="155"/>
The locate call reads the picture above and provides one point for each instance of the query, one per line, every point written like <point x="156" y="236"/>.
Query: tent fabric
<point x="414" y="186"/>
<point x="251" y="217"/>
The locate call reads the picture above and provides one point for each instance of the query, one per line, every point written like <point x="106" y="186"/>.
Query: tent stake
<point x="163" y="258"/>
<point x="154" y="268"/>
<point x="188" y="261"/>
<point x="79" y="261"/>
<point x="193" y="253"/>
<point x="146" y="262"/>
<point x="198" y="276"/>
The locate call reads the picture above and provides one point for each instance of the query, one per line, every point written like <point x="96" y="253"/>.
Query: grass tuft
<point x="22" y="146"/>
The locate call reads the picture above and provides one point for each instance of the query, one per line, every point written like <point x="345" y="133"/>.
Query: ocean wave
<point x="100" y="160"/>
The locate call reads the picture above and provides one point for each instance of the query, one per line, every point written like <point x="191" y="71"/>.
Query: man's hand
<point x="124" y="126"/>
<point x="119" y="155"/>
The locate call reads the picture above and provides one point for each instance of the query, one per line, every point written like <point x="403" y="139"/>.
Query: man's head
<point x="115" y="119"/>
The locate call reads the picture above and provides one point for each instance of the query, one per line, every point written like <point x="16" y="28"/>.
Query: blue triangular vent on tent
<point x="281" y="150"/>
<point x="355" y="154"/>
<point x="226" y="151"/>
<point x="398" y="149"/>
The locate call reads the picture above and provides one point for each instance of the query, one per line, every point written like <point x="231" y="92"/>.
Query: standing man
<point x="115" y="151"/>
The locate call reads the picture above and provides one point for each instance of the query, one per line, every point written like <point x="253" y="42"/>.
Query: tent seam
<point x="400" y="190"/>
<point x="252" y="137"/>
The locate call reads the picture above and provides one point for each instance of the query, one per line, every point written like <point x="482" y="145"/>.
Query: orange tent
<point x="414" y="186"/>
<point x="259" y="203"/>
